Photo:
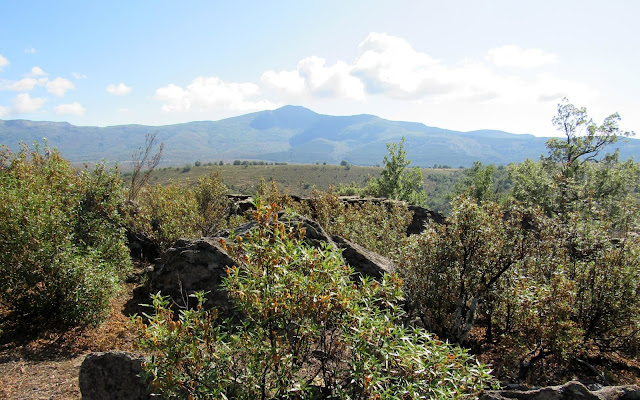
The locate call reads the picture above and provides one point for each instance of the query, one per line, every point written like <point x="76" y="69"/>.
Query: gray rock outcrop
<point x="192" y="266"/>
<point x="112" y="375"/>
<point x="569" y="391"/>
<point x="364" y="262"/>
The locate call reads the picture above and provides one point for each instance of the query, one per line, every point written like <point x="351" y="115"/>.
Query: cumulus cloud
<point x="312" y="76"/>
<point x="3" y="62"/>
<point x="514" y="56"/>
<point x="287" y="81"/>
<point x="388" y="64"/>
<point x="74" y="108"/>
<point x="23" y="85"/>
<point x="386" y="68"/>
<point x="119" y="89"/>
<point x="23" y="103"/>
<point x="211" y="94"/>
<point x="59" y="86"/>
<point x="36" y="71"/>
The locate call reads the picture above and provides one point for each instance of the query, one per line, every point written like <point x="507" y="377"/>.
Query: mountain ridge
<point x="291" y="134"/>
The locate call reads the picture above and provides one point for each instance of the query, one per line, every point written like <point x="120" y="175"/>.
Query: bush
<point x="168" y="213"/>
<point x="213" y="204"/>
<point x="380" y="227"/>
<point x="165" y="214"/>
<point x="544" y="286"/>
<point x="308" y="332"/>
<point x="451" y="270"/>
<point x="63" y="246"/>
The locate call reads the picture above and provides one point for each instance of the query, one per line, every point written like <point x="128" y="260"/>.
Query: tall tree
<point x="578" y="173"/>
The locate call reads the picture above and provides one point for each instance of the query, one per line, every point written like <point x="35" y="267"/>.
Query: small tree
<point x="63" y="246"/>
<point x="576" y="175"/>
<point x="396" y="182"/>
<point x="451" y="271"/>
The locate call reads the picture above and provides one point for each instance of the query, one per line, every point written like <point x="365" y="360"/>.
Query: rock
<point x="364" y="262"/>
<point x="631" y="392"/>
<point x="113" y="376"/>
<point x="421" y="216"/>
<point x="191" y="266"/>
<point x="141" y="247"/>
<point x="569" y="391"/>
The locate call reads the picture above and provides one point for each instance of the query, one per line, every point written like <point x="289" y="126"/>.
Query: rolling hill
<point x="289" y="134"/>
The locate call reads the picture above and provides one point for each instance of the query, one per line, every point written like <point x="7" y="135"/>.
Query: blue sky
<point x="453" y="64"/>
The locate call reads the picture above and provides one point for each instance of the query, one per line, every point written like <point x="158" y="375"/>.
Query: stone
<point x="364" y="262"/>
<point x="569" y="391"/>
<point x="113" y="375"/>
<point x="191" y="266"/>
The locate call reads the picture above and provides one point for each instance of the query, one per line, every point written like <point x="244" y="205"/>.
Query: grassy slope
<point x="295" y="179"/>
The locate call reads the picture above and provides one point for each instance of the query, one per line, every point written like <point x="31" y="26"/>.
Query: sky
<point x="462" y="65"/>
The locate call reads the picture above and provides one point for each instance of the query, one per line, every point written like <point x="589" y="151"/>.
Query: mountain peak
<point x="291" y="117"/>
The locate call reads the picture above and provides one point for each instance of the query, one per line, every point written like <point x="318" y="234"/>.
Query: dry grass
<point x="295" y="179"/>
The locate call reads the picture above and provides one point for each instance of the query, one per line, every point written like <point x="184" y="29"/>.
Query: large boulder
<point x="114" y="375"/>
<point x="568" y="391"/>
<point x="192" y="266"/>
<point x="364" y="262"/>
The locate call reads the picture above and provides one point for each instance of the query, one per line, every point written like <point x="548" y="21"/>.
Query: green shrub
<point x="544" y="286"/>
<point x="213" y="204"/>
<point x="165" y="214"/>
<point x="308" y="332"/>
<point x="379" y="227"/>
<point x="64" y="250"/>
<point x="452" y="269"/>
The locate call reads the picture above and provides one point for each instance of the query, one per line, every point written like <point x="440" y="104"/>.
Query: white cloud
<point x="3" y="62"/>
<point x="212" y="94"/>
<point x="29" y="50"/>
<point x="389" y="65"/>
<point x="59" y="86"/>
<point x="388" y="73"/>
<point x="287" y="81"/>
<point x="23" y="85"/>
<point x="36" y="71"/>
<point x="4" y="111"/>
<point x="23" y="103"/>
<point x="514" y="56"/>
<point x="313" y="77"/>
<point x="74" y="108"/>
<point x="79" y="75"/>
<point x="119" y="89"/>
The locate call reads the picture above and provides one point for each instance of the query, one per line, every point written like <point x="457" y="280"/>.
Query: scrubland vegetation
<point x="539" y="260"/>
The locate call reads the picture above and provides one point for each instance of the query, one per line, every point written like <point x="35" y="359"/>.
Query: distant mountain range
<point x="290" y="134"/>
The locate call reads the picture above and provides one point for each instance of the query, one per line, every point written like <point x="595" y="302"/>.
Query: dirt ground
<point x="37" y="364"/>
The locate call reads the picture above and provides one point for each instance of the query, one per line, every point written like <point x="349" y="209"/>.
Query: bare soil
<point x="38" y="361"/>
